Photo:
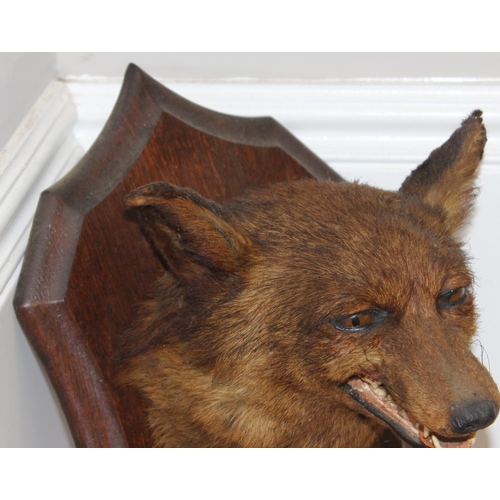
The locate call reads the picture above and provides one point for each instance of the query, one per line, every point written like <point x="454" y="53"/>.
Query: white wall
<point x="302" y="66"/>
<point x="376" y="133"/>
<point x="30" y="415"/>
<point x="23" y="77"/>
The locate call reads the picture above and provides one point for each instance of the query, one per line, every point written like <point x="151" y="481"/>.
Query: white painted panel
<point x="40" y="151"/>
<point x="362" y="122"/>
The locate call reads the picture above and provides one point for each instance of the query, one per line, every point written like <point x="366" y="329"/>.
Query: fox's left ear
<point x="188" y="231"/>
<point x="446" y="179"/>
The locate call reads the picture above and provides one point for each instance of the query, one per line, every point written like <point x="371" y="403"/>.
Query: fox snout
<point x="420" y="413"/>
<point x="437" y="397"/>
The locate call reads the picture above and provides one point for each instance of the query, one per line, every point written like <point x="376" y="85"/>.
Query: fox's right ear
<point x="446" y="179"/>
<point x="187" y="230"/>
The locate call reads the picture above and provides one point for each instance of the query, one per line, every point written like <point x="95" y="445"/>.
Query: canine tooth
<point x="426" y="432"/>
<point x="436" y="442"/>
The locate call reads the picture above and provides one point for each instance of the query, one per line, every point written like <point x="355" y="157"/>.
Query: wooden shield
<point x="87" y="265"/>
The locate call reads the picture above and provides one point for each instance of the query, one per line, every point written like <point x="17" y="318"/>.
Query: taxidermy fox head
<point x="315" y="313"/>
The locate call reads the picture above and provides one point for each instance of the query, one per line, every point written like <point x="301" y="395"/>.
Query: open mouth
<point x="373" y="396"/>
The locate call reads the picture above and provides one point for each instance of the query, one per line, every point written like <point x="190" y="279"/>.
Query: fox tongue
<point x="374" y="397"/>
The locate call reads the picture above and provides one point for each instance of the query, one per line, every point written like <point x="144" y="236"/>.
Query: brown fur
<point x="236" y="347"/>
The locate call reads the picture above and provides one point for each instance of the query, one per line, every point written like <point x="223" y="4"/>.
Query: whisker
<point x="483" y="354"/>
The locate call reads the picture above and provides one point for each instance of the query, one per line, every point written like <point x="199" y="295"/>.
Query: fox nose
<point x="469" y="417"/>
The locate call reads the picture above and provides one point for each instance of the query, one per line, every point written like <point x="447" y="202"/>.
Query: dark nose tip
<point x="469" y="417"/>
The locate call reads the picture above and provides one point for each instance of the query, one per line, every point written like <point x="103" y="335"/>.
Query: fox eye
<point x="452" y="298"/>
<point x="360" y="321"/>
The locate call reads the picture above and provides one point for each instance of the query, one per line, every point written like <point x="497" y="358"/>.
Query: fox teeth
<point x="436" y="441"/>
<point x="381" y="392"/>
<point x="390" y="401"/>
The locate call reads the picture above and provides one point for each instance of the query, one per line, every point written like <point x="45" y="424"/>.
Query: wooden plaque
<point x="87" y="265"/>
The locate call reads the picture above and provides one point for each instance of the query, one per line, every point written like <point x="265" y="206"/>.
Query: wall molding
<point x="42" y="149"/>
<point x="387" y="123"/>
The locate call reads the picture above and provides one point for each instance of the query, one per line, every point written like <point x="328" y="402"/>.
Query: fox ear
<point x="187" y="230"/>
<point x="446" y="178"/>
